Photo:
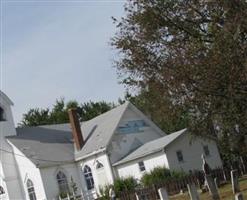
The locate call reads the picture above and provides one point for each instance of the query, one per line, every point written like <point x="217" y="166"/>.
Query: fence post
<point x="163" y="194"/>
<point x="193" y="192"/>
<point x="239" y="196"/>
<point x="216" y="182"/>
<point x="209" y="180"/>
<point x="224" y="175"/>
<point x="137" y="197"/>
<point x="212" y="187"/>
<point x="243" y="165"/>
<point x="234" y="180"/>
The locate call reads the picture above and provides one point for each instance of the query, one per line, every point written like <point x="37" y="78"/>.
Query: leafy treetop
<point x="189" y="57"/>
<point x="58" y="114"/>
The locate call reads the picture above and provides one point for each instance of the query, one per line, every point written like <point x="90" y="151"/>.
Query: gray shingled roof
<point x="53" y="144"/>
<point x="100" y="130"/>
<point x="45" y="145"/>
<point x="151" y="147"/>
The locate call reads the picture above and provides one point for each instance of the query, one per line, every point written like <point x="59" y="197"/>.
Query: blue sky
<point x="53" y="49"/>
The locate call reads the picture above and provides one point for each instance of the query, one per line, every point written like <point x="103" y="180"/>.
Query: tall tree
<point x="35" y="117"/>
<point x="195" y="54"/>
<point x="91" y="109"/>
<point x="59" y="112"/>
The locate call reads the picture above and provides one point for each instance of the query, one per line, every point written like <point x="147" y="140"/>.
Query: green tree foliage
<point x="58" y="114"/>
<point x="190" y="57"/>
<point x="124" y="184"/>
<point x="161" y="175"/>
<point x="73" y="186"/>
<point x="104" y="192"/>
<point x="119" y="185"/>
<point x="91" y="109"/>
<point x="35" y="117"/>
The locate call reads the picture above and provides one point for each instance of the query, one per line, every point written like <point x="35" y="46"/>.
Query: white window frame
<point x="142" y="167"/>
<point x="87" y="172"/>
<point x="31" y="190"/>
<point x="180" y="156"/>
<point x="2" y="191"/>
<point x="62" y="181"/>
<point x="99" y="165"/>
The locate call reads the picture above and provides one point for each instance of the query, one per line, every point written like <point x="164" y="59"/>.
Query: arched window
<point x="30" y="190"/>
<point x="62" y="182"/>
<point x="99" y="165"/>
<point x="2" y="190"/>
<point x="88" y="177"/>
<point x="2" y="114"/>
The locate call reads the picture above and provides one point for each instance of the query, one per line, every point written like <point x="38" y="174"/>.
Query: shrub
<point x="73" y="185"/>
<point x="124" y="184"/>
<point x="177" y="175"/>
<point x="104" y="192"/>
<point x="161" y="175"/>
<point x="63" y="194"/>
<point x="120" y="185"/>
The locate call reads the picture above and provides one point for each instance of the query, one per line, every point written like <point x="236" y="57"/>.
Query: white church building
<point x="39" y="163"/>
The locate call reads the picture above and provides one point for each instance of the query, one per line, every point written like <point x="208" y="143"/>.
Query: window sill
<point x="91" y="191"/>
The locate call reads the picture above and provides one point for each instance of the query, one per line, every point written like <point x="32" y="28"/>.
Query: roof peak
<point x="64" y="124"/>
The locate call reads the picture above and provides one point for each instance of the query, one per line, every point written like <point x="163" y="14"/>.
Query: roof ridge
<point x="42" y="126"/>
<point x="166" y="136"/>
<point x="126" y="105"/>
<point x="105" y="113"/>
<point x="50" y="125"/>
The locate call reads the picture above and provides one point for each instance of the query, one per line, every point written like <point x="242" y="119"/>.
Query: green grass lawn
<point x="225" y="192"/>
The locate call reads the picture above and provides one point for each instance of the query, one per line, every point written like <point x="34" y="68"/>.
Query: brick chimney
<point x="76" y="129"/>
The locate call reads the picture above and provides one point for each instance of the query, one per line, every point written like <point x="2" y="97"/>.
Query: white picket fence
<point x="82" y="196"/>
